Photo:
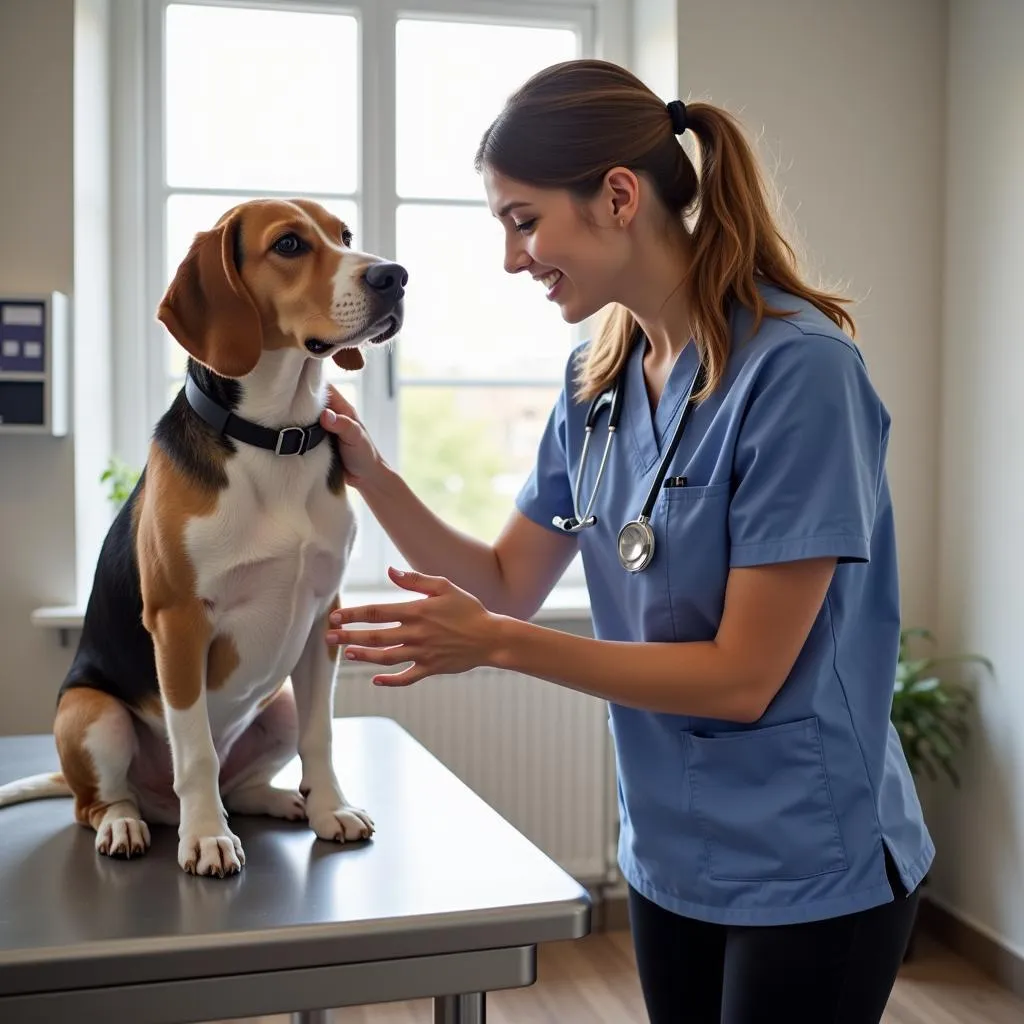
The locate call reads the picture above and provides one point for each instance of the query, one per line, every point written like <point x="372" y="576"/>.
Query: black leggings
<point x="837" y="971"/>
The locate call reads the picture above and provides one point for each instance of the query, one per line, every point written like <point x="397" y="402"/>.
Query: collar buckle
<point x="294" y="447"/>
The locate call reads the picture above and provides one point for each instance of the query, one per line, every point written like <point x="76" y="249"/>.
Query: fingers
<point x="401" y="611"/>
<point x="375" y="614"/>
<point x="397" y="655"/>
<point x="339" y="404"/>
<point x="339" y="417"/>
<point x="418" y="581"/>
<point x="391" y="637"/>
<point x="343" y="426"/>
<point x="407" y="677"/>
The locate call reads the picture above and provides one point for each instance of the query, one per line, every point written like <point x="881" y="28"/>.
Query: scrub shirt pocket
<point x="697" y="543"/>
<point x="762" y="801"/>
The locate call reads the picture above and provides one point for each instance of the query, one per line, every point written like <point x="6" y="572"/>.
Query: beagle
<point x="202" y="667"/>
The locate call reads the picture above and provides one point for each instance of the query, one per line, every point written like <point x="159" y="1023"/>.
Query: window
<point x="374" y="109"/>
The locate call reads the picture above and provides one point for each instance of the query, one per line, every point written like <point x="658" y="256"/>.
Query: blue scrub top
<point x="782" y="820"/>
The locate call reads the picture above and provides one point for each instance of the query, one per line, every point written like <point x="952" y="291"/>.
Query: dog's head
<point x="275" y="274"/>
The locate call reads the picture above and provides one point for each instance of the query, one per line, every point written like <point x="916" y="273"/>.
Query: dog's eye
<point x="346" y="238"/>
<point x="289" y="245"/>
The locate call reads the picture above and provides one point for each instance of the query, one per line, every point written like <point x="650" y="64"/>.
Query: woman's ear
<point x="621" y="195"/>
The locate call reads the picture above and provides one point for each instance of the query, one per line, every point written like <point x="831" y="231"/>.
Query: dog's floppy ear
<point x="349" y="359"/>
<point x="208" y="308"/>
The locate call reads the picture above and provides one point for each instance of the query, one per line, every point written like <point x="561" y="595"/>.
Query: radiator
<point x="539" y="754"/>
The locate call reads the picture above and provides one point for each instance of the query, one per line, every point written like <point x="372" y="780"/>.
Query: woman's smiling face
<point x="567" y="245"/>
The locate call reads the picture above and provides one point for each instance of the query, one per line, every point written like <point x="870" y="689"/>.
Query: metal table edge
<point x="194" y="957"/>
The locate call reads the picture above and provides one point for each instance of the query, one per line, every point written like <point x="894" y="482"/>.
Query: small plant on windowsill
<point x="930" y="712"/>
<point x="121" y="478"/>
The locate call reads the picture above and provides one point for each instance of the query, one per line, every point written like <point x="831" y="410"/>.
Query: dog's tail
<point x="34" y="787"/>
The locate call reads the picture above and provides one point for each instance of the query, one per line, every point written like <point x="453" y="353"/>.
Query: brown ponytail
<point x="573" y="122"/>
<point x="736" y="242"/>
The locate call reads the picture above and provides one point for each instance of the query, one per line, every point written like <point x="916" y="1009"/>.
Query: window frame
<point x="140" y="191"/>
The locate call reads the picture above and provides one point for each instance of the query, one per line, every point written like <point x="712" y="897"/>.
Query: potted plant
<point x="930" y="712"/>
<point x="122" y="479"/>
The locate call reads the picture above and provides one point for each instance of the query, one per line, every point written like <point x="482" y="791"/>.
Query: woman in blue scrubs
<point x="739" y="551"/>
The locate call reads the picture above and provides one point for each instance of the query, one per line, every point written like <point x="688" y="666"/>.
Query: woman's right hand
<point x="358" y="453"/>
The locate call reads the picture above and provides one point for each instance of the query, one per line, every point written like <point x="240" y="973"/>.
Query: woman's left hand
<point x="446" y="632"/>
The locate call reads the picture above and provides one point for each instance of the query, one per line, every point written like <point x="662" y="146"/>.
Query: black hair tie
<point x="677" y="111"/>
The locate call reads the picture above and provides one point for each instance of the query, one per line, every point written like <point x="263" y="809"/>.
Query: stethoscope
<point x="636" y="538"/>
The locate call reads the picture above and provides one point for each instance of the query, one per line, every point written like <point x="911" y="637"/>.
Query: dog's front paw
<point x="343" y="824"/>
<point x="265" y="799"/>
<point x="217" y="855"/>
<point x="122" y="837"/>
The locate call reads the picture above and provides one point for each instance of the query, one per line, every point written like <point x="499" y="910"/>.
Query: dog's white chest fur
<point x="269" y="563"/>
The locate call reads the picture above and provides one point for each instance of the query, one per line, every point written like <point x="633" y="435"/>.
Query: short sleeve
<point x="809" y="458"/>
<point x="547" y="491"/>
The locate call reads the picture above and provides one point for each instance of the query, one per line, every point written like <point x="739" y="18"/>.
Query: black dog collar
<point x="286" y="441"/>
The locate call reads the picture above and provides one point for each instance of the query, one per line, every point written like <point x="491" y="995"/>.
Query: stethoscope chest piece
<point x="636" y="545"/>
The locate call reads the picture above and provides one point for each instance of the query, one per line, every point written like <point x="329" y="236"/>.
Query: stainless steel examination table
<point x="447" y="901"/>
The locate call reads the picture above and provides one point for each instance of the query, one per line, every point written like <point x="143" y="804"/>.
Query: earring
<point x="622" y="222"/>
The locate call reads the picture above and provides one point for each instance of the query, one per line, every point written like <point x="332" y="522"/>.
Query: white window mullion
<point x="156" y="222"/>
<point x="378" y="400"/>
<point x="129" y="86"/>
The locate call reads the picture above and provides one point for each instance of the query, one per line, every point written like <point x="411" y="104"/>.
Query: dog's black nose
<point x="388" y="280"/>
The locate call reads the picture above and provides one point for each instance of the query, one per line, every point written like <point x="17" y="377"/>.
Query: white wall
<point x="847" y="101"/>
<point x="980" y="829"/>
<point x="37" y="474"/>
<point x="55" y="212"/>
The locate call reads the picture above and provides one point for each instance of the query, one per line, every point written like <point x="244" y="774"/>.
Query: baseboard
<point x="1001" y="964"/>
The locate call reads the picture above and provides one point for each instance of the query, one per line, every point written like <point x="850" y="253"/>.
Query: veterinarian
<point x="739" y="552"/>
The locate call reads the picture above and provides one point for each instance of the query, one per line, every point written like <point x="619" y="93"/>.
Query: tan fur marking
<point x="172" y="611"/>
<point x="181" y="636"/>
<point x="221" y="662"/>
<point x="294" y="296"/>
<point x="136" y="510"/>
<point x="79" y="708"/>
<point x="151" y="707"/>
<point x="332" y="226"/>
<point x="307" y="314"/>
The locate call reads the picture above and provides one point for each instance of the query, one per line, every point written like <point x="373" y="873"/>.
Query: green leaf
<point x="929" y="711"/>
<point x="122" y="479"/>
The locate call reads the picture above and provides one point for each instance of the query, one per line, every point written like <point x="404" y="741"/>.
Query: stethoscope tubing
<point x="614" y="397"/>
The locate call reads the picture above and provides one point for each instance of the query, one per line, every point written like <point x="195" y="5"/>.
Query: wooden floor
<point x="593" y="981"/>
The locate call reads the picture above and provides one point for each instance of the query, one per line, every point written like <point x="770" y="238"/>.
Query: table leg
<point x="312" y="1017"/>
<point x="468" y="1008"/>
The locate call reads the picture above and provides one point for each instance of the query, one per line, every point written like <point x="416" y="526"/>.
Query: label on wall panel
<point x="22" y="337"/>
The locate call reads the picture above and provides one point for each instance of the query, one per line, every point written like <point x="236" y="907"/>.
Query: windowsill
<point x="565" y="603"/>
